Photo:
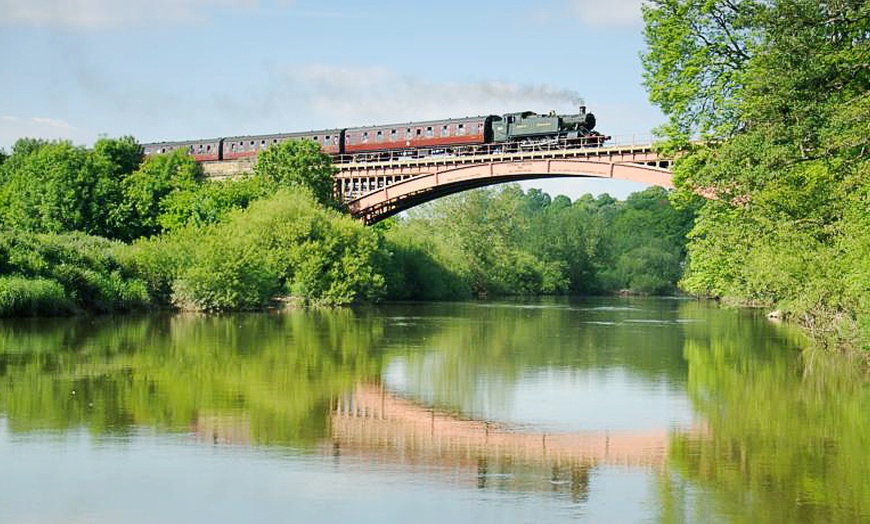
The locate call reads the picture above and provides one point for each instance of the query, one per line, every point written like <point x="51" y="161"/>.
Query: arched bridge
<point x="374" y="189"/>
<point x="378" y="185"/>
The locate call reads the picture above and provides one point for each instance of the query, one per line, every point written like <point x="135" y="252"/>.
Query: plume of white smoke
<point x="330" y="96"/>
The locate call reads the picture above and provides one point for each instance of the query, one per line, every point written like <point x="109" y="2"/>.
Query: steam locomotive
<point x="526" y="129"/>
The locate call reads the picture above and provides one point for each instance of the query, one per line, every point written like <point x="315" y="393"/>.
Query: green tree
<point x="695" y="62"/>
<point x="209" y="203"/>
<point x="788" y="179"/>
<point x="299" y="164"/>
<point x="57" y="187"/>
<point x="146" y="188"/>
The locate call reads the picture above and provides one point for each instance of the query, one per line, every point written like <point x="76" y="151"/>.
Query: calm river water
<point x="610" y="410"/>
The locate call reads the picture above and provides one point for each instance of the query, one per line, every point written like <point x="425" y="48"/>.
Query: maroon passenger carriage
<point x="200" y="150"/>
<point x="433" y="134"/>
<point x="249" y="145"/>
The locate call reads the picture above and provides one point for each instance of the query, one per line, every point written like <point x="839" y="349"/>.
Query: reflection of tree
<point x="787" y="438"/>
<point x="276" y="373"/>
<point x="464" y="355"/>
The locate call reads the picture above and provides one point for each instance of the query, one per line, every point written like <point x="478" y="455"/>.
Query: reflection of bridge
<point x="374" y="422"/>
<point x="375" y="187"/>
<point x="371" y="426"/>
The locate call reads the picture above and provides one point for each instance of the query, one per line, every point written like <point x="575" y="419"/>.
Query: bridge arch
<point x="403" y="190"/>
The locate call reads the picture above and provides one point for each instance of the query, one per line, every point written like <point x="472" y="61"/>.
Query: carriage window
<point x="460" y="129"/>
<point x="393" y="135"/>
<point x="326" y="140"/>
<point x="419" y="131"/>
<point x="445" y="131"/>
<point x="365" y="137"/>
<point x="380" y="136"/>
<point x="429" y="131"/>
<point x="408" y="134"/>
<point x="208" y="148"/>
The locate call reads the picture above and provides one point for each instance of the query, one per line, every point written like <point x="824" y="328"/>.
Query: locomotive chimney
<point x="582" y="110"/>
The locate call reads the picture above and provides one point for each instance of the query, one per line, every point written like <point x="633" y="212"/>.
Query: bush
<point x="20" y="296"/>
<point x="88" y="269"/>
<point x="286" y="244"/>
<point x="226" y="275"/>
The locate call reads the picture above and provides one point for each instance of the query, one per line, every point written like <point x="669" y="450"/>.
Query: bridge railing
<point x="633" y="139"/>
<point x="594" y="143"/>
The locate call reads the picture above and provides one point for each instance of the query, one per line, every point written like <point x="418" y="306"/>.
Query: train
<point x="511" y="131"/>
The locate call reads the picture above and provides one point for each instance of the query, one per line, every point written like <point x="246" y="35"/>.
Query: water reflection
<point x="377" y="425"/>
<point x="264" y="379"/>
<point x="609" y="409"/>
<point x="787" y="439"/>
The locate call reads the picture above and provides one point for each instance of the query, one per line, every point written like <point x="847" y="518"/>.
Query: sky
<point x="163" y="70"/>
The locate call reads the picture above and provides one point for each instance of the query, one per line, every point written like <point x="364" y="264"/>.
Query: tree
<point x="299" y="164"/>
<point x="146" y="191"/>
<point x="788" y="168"/>
<point x="695" y="63"/>
<point x="56" y="187"/>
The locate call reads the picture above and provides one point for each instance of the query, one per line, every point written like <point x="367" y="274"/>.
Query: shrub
<point x="20" y="296"/>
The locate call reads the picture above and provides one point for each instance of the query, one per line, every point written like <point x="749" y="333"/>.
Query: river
<point x="614" y="410"/>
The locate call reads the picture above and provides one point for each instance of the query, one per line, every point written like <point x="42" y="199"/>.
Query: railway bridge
<point x="378" y="185"/>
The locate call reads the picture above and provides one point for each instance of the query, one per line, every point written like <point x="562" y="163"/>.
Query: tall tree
<point x="789" y="170"/>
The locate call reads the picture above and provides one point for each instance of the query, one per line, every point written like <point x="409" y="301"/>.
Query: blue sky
<point x="184" y="69"/>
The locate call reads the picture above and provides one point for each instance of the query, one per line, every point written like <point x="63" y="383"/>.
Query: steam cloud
<point x="329" y="96"/>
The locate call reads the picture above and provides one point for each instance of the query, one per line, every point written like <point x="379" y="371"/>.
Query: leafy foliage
<point x="789" y="183"/>
<point x="148" y="187"/>
<point x="283" y="245"/>
<point x="299" y="164"/>
<point x="503" y="241"/>
<point x="695" y="61"/>
<point x="230" y="245"/>
<point x="35" y="268"/>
